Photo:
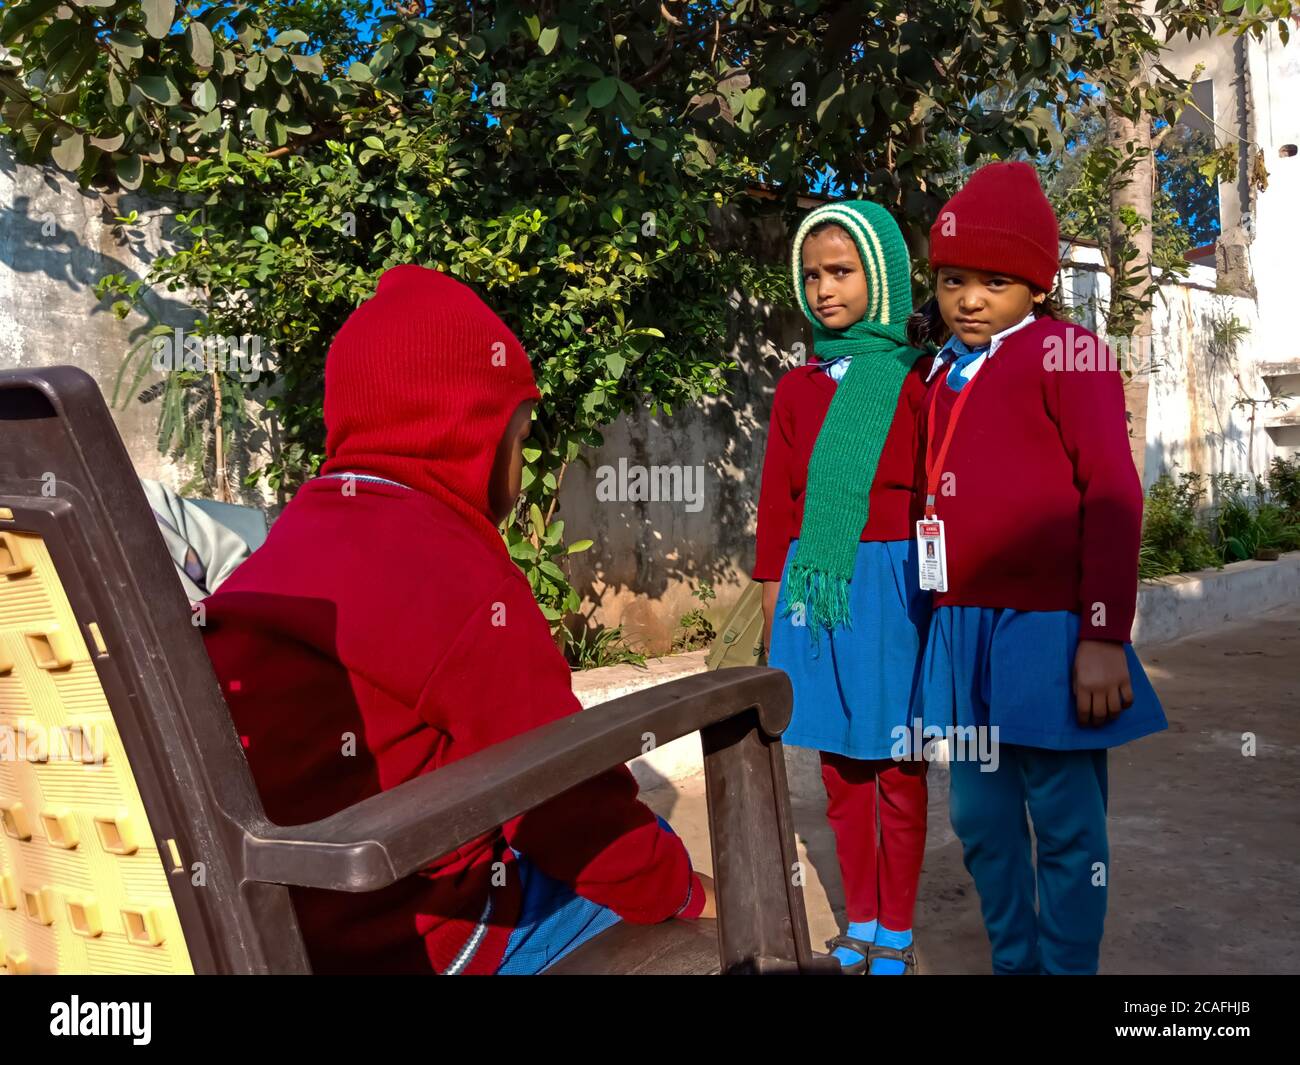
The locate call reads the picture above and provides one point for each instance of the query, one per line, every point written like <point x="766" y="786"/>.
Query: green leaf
<point x="539" y="523"/>
<point x="198" y="42"/>
<point x="116" y="93"/>
<point x="615" y="364"/>
<point x="308" y="64"/>
<point x="579" y="545"/>
<point x="109" y="144"/>
<point x="629" y="94"/>
<point x="130" y="171"/>
<point x="204" y="96"/>
<point x="258" y="119"/>
<point x="830" y="95"/>
<point x="547" y="39"/>
<point x="255" y="72"/>
<point x="523" y="550"/>
<point x="359" y="72"/>
<point x="126" y="44"/>
<point x="158" y="17"/>
<point x="22" y="17"/>
<point x="291" y="37"/>
<point x="374" y="142"/>
<point x="69" y="152"/>
<point x="159" y="88"/>
<point x="602" y="93"/>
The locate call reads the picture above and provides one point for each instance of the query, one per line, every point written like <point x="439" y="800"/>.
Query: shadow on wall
<point x="56" y="242"/>
<point x="651" y="555"/>
<point x="38" y="235"/>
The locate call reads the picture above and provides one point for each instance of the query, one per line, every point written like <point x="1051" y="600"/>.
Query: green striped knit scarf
<point x="844" y="458"/>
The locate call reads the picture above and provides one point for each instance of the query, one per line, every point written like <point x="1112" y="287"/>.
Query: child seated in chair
<point x="383" y="632"/>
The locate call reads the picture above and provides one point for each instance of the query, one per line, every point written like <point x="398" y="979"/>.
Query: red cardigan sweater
<point x="1045" y="505"/>
<point x="383" y="618"/>
<point x="802" y="399"/>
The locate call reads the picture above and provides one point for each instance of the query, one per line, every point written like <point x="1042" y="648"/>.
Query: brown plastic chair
<point x="134" y="840"/>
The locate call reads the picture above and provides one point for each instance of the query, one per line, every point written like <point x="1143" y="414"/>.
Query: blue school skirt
<point x="853" y="687"/>
<point x="986" y="666"/>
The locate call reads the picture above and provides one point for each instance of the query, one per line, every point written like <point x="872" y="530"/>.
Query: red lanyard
<point x="933" y="463"/>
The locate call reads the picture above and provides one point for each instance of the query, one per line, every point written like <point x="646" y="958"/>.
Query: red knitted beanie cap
<point x="1000" y="221"/>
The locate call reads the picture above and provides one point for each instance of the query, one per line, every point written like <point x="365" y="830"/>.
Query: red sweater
<point x="383" y="616"/>
<point x="802" y="399"/>
<point x="1045" y="510"/>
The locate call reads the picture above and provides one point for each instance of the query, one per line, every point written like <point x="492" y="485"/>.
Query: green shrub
<point x="697" y="629"/>
<point x="1247" y="520"/>
<point x="606" y="647"/>
<point x="1284" y="484"/>
<point x="1174" y="539"/>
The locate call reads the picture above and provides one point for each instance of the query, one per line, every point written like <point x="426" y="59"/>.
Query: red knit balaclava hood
<point x="420" y="384"/>
<point x="999" y="221"/>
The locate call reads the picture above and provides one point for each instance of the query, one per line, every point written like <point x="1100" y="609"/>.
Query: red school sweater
<point x="382" y="616"/>
<point x="799" y="408"/>
<point x="1042" y="505"/>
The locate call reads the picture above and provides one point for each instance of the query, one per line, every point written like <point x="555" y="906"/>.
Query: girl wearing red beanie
<point x="1029" y="542"/>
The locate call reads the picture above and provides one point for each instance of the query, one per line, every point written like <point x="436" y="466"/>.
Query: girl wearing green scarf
<point x="842" y="604"/>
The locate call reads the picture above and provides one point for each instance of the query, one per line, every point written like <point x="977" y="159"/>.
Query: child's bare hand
<point x="770" y="591"/>
<point x="1101" y="682"/>
<point x="710" y="899"/>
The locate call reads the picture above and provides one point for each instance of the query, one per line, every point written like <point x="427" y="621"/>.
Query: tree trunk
<point x="1131" y="281"/>
<point x="219" y="442"/>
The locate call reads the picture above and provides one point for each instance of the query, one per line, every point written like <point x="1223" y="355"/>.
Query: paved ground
<point x="1205" y="841"/>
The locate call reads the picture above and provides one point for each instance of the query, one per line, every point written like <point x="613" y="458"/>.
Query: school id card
<point x="931" y="550"/>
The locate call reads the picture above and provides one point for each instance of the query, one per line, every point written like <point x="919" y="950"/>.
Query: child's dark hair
<point x="926" y="327"/>
<point x="821" y="228"/>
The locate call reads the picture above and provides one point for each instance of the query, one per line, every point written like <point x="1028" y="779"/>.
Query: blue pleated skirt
<point x="987" y="666"/>
<point x="853" y="688"/>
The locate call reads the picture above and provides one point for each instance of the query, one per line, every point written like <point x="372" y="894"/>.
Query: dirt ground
<point x="1205" y="840"/>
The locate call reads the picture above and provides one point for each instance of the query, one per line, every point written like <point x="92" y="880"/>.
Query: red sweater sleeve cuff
<point x="1117" y="627"/>
<point x="769" y="558"/>
<point x="694" y="903"/>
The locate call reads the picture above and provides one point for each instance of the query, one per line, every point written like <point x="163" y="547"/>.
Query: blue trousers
<point x="1065" y="795"/>
<point x="555" y="921"/>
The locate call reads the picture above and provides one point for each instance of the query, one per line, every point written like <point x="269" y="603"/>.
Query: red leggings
<point x="881" y="867"/>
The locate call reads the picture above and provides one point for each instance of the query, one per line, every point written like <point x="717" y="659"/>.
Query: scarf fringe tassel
<point x="824" y="597"/>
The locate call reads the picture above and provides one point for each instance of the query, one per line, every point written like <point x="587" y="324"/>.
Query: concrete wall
<point x="1275" y="89"/>
<point x="1256" y="86"/>
<point x="55" y="243"/>
<point x="650" y="557"/>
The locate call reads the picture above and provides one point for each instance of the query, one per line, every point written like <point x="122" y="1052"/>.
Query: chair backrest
<point x="124" y="792"/>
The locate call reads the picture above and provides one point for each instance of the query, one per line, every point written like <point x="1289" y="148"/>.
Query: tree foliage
<point x="567" y="157"/>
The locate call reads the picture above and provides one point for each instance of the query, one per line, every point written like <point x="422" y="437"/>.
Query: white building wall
<point x="1197" y="417"/>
